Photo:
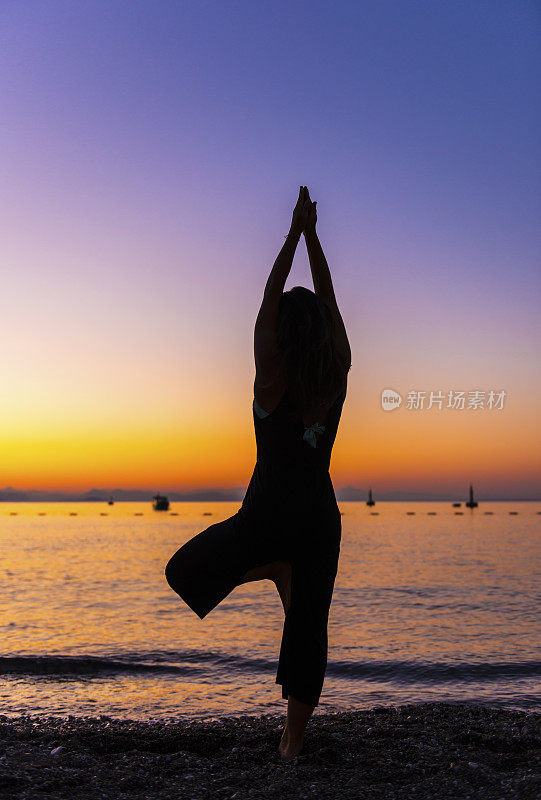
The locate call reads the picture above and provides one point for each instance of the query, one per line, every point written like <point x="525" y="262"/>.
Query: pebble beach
<point x="429" y="750"/>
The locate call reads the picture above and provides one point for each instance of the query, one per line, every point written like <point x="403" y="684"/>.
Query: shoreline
<point x="427" y="750"/>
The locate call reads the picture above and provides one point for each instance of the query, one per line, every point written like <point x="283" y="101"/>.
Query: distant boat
<point x="471" y="502"/>
<point x="111" y="502"/>
<point x="160" y="503"/>
<point x="457" y="505"/>
<point x="370" y="501"/>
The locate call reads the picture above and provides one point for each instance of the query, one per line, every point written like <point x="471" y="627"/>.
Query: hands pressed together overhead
<point x="304" y="213"/>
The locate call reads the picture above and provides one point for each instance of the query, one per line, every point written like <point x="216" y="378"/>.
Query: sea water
<point x="429" y="604"/>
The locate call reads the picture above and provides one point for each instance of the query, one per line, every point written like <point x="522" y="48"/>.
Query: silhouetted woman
<point x="288" y="529"/>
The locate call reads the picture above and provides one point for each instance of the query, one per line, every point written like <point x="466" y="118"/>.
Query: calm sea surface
<point x="428" y="605"/>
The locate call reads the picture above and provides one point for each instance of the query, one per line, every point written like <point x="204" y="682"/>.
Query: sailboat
<point x="111" y="502"/>
<point x="471" y="502"/>
<point x="370" y="501"/>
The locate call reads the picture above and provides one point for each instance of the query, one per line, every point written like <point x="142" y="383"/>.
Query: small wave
<point x="85" y="665"/>
<point x="196" y="662"/>
<point x="434" y="672"/>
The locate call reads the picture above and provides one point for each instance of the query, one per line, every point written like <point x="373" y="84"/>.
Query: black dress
<point x="289" y="513"/>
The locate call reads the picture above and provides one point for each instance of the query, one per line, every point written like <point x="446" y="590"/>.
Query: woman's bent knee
<point x="175" y="573"/>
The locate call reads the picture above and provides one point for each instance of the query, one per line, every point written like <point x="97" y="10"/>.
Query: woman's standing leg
<point x="298" y="713"/>
<point x="303" y="653"/>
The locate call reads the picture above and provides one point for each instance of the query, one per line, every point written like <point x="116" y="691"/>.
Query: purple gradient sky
<point x="151" y="157"/>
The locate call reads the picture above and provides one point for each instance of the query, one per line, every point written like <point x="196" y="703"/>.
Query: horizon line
<point x="10" y="494"/>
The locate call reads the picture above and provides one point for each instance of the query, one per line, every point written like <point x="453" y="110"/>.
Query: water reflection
<point x="411" y="589"/>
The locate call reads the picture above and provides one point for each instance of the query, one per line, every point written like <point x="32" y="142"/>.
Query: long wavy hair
<point x="314" y="372"/>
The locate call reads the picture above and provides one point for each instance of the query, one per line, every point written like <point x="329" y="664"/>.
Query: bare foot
<point x="288" y="748"/>
<point x="282" y="579"/>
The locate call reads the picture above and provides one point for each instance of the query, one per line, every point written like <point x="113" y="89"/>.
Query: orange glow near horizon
<point x="408" y="450"/>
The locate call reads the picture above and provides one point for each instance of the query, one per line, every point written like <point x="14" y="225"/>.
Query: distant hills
<point x="9" y="494"/>
<point x="347" y="493"/>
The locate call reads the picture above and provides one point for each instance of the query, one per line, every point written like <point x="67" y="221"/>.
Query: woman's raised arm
<point x="265" y="342"/>
<point x="323" y="287"/>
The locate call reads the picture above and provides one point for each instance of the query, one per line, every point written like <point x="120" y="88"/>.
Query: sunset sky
<point x="152" y="154"/>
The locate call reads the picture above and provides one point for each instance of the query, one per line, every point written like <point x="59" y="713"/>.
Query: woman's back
<point x="283" y="438"/>
<point x="291" y="475"/>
